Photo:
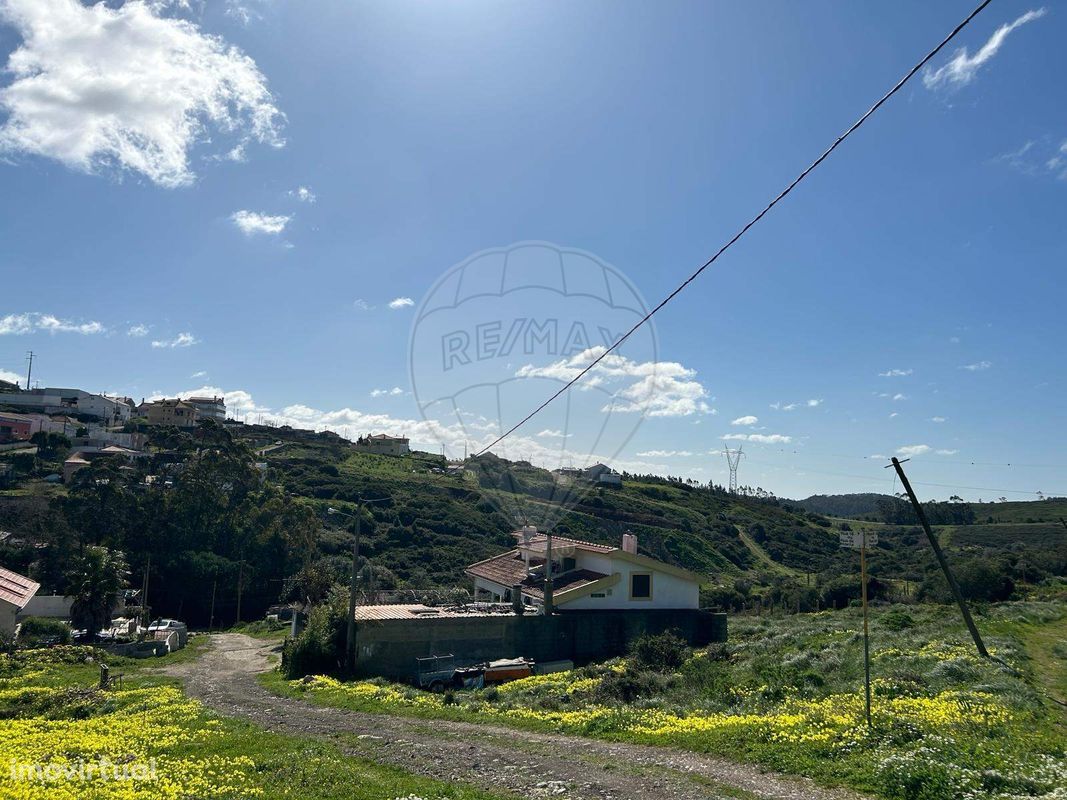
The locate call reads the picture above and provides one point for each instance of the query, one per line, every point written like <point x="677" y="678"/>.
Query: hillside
<point x="220" y="539"/>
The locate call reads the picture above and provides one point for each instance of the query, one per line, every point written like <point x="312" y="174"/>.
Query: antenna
<point x="733" y="459"/>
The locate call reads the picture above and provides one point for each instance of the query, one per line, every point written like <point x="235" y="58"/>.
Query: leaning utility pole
<point x="29" y="369"/>
<point x="941" y="559"/>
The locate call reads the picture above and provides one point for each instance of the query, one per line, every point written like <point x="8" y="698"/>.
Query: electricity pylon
<point x="733" y="458"/>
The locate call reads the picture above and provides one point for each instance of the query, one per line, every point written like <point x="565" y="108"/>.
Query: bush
<point x="630" y="685"/>
<point x="41" y="632"/>
<point x="897" y="620"/>
<point x="320" y="647"/>
<point x="661" y="652"/>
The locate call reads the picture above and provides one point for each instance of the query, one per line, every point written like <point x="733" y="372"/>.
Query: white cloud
<point x="34" y="321"/>
<point x="125" y="88"/>
<point x="252" y="222"/>
<point x="914" y="450"/>
<point x="899" y="396"/>
<point x="199" y="374"/>
<point x="659" y="389"/>
<point x="745" y="420"/>
<point x="362" y="305"/>
<point x="401" y="302"/>
<point x="245" y="11"/>
<point x="759" y="438"/>
<point x="181" y="340"/>
<point x="303" y="194"/>
<point x="939" y="419"/>
<point x="813" y="403"/>
<point x="963" y="67"/>
<point x="10" y="377"/>
<point x="946" y="452"/>
<point x="978" y="366"/>
<point x="137" y="331"/>
<point x="895" y="373"/>
<point x="665" y="454"/>
<point x="548" y="433"/>
<point x="394" y="392"/>
<point x="894" y="414"/>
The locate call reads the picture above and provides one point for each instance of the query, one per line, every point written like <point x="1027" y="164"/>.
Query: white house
<point x="15" y="592"/>
<point x="585" y="576"/>
<point x="382" y="444"/>
<point x="602" y="473"/>
<point x="111" y="411"/>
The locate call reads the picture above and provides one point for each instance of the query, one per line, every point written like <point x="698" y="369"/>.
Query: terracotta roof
<point x="509" y="569"/>
<point x="419" y="611"/>
<point x="540" y="540"/>
<point x="16" y="589"/>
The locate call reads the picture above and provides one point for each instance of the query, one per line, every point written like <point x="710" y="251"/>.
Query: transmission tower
<point x="733" y="458"/>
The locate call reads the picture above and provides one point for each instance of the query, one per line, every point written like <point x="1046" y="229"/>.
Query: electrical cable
<point x="811" y="167"/>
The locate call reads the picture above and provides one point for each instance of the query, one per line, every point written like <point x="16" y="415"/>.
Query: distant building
<point x="15" y="428"/>
<point x="585" y="576"/>
<point x="72" y="465"/>
<point x="602" y="473"/>
<point x="209" y="407"/>
<point x="178" y="413"/>
<point x="108" y="410"/>
<point x="15" y="592"/>
<point x="382" y="444"/>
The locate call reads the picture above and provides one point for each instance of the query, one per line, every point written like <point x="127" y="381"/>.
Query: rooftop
<point x="419" y="611"/>
<point x="16" y="589"/>
<point x="509" y="569"/>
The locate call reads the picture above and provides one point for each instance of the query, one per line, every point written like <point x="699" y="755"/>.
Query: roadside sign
<point x="854" y="540"/>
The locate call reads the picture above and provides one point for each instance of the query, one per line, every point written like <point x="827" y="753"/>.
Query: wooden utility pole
<point x="941" y="559"/>
<point x="240" y="585"/>
<point x="866" y="626"/>
<point x="211" y="616"/>
<point x="350" y="630"/>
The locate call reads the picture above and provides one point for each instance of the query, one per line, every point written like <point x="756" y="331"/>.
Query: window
<point x="569" y="564"/>
<point x="641" y="586"/>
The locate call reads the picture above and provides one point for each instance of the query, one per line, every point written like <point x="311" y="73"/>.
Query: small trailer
<point x="438" y="673"/>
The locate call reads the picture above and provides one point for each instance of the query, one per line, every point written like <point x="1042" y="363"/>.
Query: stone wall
<point x="389" y="648"/>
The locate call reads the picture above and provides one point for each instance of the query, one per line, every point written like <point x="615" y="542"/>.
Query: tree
<point x="95" y="583"/>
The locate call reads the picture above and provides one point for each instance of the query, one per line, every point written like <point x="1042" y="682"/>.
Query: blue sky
<point x="232" y="195"/>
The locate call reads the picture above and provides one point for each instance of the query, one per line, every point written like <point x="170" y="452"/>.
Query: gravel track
<point x="492" y="757"/>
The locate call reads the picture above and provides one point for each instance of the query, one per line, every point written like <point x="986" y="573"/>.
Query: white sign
<point x="855" y="540"/>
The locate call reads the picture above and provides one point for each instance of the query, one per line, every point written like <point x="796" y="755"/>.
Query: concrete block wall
<point x="388" y="648"/>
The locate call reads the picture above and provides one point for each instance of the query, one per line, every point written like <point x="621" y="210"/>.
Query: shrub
<point x="319" y="649"/>
<point x="630" y="685"/>
<point x="897" y="620"/>
<point x="662" y="652"/>
<point x="40" y="631"/>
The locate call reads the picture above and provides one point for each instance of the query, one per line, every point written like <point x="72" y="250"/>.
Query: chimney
<point x="516" y="599"/>
<point x="528" y="533"/>
<point x="629" y="543"/>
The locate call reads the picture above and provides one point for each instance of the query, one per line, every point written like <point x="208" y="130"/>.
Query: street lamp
<point x="350" y="633"/>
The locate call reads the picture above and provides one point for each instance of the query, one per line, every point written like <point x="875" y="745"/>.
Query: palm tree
<point x="95" y="584"/>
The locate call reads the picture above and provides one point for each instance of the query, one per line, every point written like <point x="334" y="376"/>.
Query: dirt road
<point x="492" y="757"/>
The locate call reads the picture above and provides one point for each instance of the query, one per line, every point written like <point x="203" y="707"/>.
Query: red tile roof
<point x="16" y="589"/>
<point x="509" y="569"/>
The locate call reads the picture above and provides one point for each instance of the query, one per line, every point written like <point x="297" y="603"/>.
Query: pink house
<point x="15" y="428"/>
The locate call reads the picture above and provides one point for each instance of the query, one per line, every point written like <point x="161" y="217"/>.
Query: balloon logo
<point x="501" y="332"/>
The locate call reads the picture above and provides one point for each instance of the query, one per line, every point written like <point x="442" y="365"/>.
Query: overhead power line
<point x="811" y="167"/>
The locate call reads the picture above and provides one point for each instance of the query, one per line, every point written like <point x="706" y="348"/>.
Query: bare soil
<point x="495" y="758"/>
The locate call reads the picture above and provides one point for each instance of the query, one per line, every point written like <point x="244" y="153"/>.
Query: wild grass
<point x="787" y="692"/>
<point x="53" y="714"/>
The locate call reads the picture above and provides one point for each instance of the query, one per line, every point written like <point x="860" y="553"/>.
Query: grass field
<point x="146" y="741"/>
<point x="787" y="692"/>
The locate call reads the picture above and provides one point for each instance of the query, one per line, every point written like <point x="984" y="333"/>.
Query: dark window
<point x="569" y="564"/>
<point x="640" y="586"/>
